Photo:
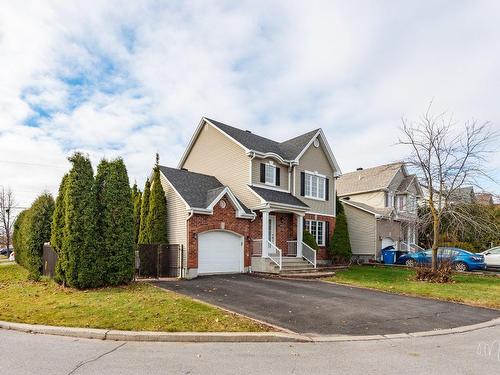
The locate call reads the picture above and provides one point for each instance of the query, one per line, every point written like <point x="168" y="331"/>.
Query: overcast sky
<point x="117" y="78"/>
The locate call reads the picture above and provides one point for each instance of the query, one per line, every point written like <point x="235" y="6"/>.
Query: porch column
<point x="300" y="231"/>
<point x="265" y="233"/>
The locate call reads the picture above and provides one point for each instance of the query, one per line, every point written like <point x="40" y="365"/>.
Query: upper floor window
<point x="270" y="174"/>
<point x="315" y="186"/>
<point x="389" y="199"/>
<point x="401" y="202"/>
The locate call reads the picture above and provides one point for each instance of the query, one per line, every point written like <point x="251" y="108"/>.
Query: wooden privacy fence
<point x="49" y="260"/>
<point x="158" y="260"/>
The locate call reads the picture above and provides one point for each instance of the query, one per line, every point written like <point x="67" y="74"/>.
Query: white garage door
<point x="220" y="252"/>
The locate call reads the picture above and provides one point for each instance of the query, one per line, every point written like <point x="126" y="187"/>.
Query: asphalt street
<point x="476" y="352"/>
<point x="319" y="308"/>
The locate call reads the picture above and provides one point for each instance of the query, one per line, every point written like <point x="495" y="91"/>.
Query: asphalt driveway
<point x="315" y="307"/>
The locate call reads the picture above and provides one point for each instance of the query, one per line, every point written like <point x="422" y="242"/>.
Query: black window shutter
<point x="303" y="224"/>
<point x="277" y="176"/>
<point x="262" y="172"/>
<point x="327" y="189"/>
<point x="302" y="183"/>
<point x="327" y="233"/>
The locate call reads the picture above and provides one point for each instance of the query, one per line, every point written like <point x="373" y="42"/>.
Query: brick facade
<point x="322" y="253"/>
<point x="225" y="219"/>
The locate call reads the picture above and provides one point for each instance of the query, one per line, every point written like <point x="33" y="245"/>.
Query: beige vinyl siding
<point x="213" y="153"/>
<point x="374" y="199"/>
<point x="315" y="160"/>
<point x="362" y="228"/>
<point x="176" y="213"/>
<point x="396" y="181"/>
<point x="256" y="173"/>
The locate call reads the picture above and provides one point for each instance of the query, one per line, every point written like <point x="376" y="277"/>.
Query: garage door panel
<point x="220" y="252"/>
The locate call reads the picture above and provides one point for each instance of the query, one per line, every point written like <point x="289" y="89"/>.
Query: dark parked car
<point x="5" y="252"/>
<point x="461" y="260"/>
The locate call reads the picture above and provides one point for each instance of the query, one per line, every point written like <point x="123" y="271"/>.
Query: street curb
<point x="115" y="335"/>
<point x="194" y="337"/>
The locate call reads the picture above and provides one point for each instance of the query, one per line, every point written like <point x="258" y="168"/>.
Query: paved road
<point x="476" y="352"/>
<point x="315" y="307"/>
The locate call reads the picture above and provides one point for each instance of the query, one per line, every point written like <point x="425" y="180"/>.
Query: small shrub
<point x="441" y="275"/>
<point x="340" y="246"/>
<point x="309" y="240"/>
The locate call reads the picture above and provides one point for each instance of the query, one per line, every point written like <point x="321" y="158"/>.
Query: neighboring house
<point x="381" y="208"/>
<point x="239" y="201"/>
<point x="486" y="199"/>
<point x="462" y="195"/>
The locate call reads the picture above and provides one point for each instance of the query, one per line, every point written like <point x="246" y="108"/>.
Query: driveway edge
<point x="195" y="337"/>
<point x="115" y="335"/>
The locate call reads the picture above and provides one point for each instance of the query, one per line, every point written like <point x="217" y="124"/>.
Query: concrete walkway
<point x="319" y="308"/>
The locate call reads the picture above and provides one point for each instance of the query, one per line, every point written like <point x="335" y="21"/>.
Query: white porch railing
<point x="274" y="254"/>
<point x="309" y="254"/>
<point x="292" y="248"/>
<point x="257" y="248"/>
<point x="410" y="247"/>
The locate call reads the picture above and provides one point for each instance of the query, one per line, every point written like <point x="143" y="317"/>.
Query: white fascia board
<point x="204" y="121"/>
<point x="331" y="158"/>
<point x="240" y="212"/>
<point x="264" y="155"/>
<point x="361" y="208"/>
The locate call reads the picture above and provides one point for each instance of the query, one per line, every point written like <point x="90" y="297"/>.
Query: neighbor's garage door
<point x="220" y="252"/>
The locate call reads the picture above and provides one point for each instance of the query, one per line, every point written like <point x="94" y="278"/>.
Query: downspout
<point x="184" y="270"/>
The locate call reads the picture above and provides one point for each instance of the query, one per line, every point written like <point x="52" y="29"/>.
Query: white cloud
<point x="115" y="78"/>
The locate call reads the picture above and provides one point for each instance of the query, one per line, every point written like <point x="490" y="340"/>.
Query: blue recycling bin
<point x="389" y="255"/>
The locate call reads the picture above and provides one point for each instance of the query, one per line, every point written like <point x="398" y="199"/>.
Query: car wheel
<point x="461" y="267"/>
<point x="410" y="263"/>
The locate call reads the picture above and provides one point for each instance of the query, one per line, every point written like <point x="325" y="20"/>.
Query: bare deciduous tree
<point x="446" y="158"/>
<point x="7" y="203"/>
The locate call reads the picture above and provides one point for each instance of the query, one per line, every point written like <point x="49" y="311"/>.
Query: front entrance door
<point x="272" y="229"/>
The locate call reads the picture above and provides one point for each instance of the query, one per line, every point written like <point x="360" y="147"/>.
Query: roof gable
<point x="370" y="179"/>
<point x="287" y="151"/>
<point x="201" y="192"/>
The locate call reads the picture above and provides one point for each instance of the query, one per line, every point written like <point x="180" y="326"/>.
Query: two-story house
<point x="381" y="208"/>
<point x="238" y="201"/>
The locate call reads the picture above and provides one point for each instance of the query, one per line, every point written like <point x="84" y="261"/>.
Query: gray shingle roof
<point x="193" y="187"/>
<point x="288" y="150"/>
<point x="386" y="212"/>
<point x="274" y="196"/>
<point x="403" y="186"/>
<point x="367" y="179"/>
<point x="198" y="190"/>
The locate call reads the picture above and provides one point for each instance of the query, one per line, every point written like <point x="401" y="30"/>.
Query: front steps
<point x="296" y="268"/>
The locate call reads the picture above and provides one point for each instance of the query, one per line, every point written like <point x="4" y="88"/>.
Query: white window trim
<point x="323" y="239"/>
<point x="316" y="174"/>
<point x="270" y="164"/>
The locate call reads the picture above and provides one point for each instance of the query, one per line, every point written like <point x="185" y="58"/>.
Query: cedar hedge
<point x="31" y="231"/>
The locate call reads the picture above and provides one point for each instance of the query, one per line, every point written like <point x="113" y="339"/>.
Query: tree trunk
<point x="435" y="241"/>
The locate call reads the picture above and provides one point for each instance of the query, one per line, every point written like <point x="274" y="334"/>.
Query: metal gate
<point x="158" y="260"/>
<point x="49" y="260"/>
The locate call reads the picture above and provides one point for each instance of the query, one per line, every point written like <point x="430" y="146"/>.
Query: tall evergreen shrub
<point x="340" y="245"/>
<point x="156" y="224"/>
<point x="39" y="224"/>
<point x="79" y="244"/>
<point x="115" y="222"/>
<point x="143" y="234"/>
<point x="57" y="229"/>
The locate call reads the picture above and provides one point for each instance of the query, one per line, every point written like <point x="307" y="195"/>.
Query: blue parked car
<point x="461" y="260"/>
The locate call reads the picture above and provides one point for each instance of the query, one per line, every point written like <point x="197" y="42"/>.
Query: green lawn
<point x="473" y="290"/>
<point x="138" y="306"/>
